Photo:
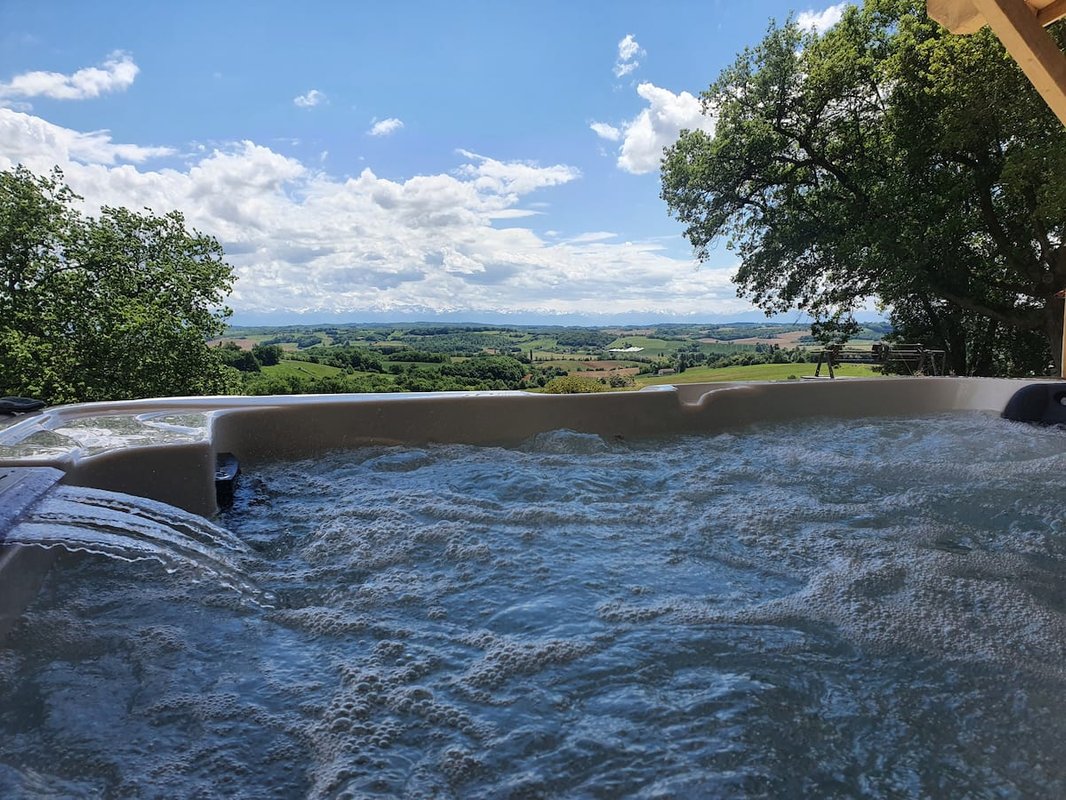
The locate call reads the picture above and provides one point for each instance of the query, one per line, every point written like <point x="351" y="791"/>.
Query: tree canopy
<point x="887" y="158"/>
<point x="113" y="307"/>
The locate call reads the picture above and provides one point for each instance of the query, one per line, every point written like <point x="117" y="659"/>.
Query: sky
<point x="384" y="161"/>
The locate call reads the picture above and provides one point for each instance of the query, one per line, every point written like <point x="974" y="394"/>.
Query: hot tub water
<point x="127" y="528"/>
<point x="871" y="608"/>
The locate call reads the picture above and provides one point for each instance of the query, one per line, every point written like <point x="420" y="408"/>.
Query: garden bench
<point x="907" y="359"/>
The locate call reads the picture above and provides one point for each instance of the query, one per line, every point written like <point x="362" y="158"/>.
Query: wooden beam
<point x="962" y="16"/>
<point x="1062" y="352"/>
<point x="1014" y="22"/>
<point x="1052" y="12"/>
<point x="958" y="16"/>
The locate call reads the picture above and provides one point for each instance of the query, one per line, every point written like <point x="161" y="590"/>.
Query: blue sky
<point x="371" y="161"/>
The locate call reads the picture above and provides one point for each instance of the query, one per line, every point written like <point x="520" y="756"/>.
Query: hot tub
<point x="718" y="590"/>
<point x="167" y="449"/>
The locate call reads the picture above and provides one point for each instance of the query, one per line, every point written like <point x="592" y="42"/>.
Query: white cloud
<point x="116" y="73"/>
<point x="592" y="236"/>
<point x="301" y="239"/>
<point x="628" y="53"/>
<point x="628" y="48"/>
<point x="605" y="131"/>
<point x="821" y="21"/>
<point x="657" y="126"/>
<point x="384" y="127"/>
<point x="26" y="137"/>
<point x="310" y="99"/>
<point x="513" y="178"/>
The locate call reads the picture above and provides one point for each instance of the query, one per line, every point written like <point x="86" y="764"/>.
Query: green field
<point x="302" y="369"/>
<point x="652" y="347"/>
<point x="658" y="348"/>
<point x="586" y="364"/>
<point x="541" y="343"/>
<point x="756" y="372"/>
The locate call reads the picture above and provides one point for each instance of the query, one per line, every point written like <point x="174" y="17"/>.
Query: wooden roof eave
<point x="1019" y="24"/>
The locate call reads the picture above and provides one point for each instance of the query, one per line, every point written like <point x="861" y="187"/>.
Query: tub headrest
<point x="1039" y="402"/>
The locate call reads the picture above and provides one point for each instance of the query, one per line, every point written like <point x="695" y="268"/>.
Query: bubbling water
<point x="833" y="609"/>
<point x="129" y="528"/>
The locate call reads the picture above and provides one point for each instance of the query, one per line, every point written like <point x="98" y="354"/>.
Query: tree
<point x="487" y="368"/>
<point x="887" y="158"/>
<point x="574" y="385"/>
<point x="114" y="307"/>
<point x="241" y="360"/>
<point x="267" y="354"/>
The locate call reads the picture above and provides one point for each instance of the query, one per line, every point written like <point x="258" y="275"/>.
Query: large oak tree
<point x="113" y="307"/>
<point x="887" y="158"/>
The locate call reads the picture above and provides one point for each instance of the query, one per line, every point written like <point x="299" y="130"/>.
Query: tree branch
<point x="1026" y="321"/>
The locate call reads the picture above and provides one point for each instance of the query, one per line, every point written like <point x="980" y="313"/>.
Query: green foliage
<point x="348" y="365"/>
<point x="448" y="330"/>
<point x="294" y="383"/>
<point x="113" y="307"/>
<point x="301" y="340"/>
<point x="347" y="357"/>
<point x="301" y="369"/>
<point x="836" y="329"/>
<point x="240" y="360"/>
<point x="487" y="368"/>
<point x="267" y="354"/>
<point x="405" y="354"/>
<point x="887" y="158"/>
<point x="748" y="330"/>
<point x="655" y="347"/>
<point x="583" y="337"/>
<point x="574" y="385"/>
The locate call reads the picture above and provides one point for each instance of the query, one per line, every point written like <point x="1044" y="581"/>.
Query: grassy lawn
<point x="756" y="372"/>
<point x="545" y="343"/>
<point x="303" y="369"/>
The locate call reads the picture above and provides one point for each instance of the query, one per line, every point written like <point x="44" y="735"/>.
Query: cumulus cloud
<point x="657" y="126"/>
<point x="821" y="21"/>
<point x="629" y="51"/>
<point x="310" y="99"/>
<point x="605" y="131"/>
<point x="306" y="241"/>
<point x="384" y="127"/>
<point x="513" y="178"/>
<point x="593" y="236"/>
<point x="116" y="73"/>
<point x="26" y="138"/>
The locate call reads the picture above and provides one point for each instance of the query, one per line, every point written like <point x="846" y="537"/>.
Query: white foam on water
<point x="129" y="528"/>
<point x="567" y="442"/>
<point x="829" y="608"/>
<point x="97" y="505"/>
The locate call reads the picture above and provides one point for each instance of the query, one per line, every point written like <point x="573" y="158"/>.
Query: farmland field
<point x="421" y="357"/>
<point x="756" y="372"/>
<point x="303" y="369"/>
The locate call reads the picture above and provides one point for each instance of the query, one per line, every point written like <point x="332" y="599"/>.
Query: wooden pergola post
<point x="1062" y="353"/>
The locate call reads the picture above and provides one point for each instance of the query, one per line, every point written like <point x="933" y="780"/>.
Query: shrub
<point x="573" y="385"/>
